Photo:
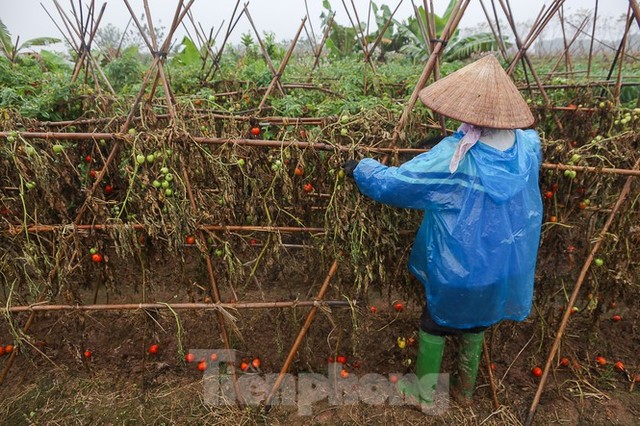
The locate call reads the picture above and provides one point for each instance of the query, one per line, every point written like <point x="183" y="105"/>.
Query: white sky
<point x="28" y="19"/>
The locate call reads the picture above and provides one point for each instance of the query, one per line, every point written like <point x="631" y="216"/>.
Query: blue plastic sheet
<point x="475" y="252"/>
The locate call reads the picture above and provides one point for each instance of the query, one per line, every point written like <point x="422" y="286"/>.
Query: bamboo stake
<point x="493" y="31"/>
<point x="593" y="35"/>
<point x="215" y="292"/>
<point x="17" y="230"/>
<point x="449" y="28"/>
<point x="265" y="53"/>
<point x="636" y="10"/>
<point x="574" y="295"/>
<point x="325" y="36"/>
<point x="623" y="44"/>
<point x="492" y="383"/>
<point x="301" y="334"/>
<point x="282" y="67"/>
<point x="232" y="24"/>
<point x="176" y="306"/>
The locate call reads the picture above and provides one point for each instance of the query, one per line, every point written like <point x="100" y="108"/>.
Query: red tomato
<point x="97" y="257"/>
<point x="373" y="309"/>
<point x="213" y="357"/>
<point x="244" y="366"/>
<point x="601" y="361"/>
<point x="108" y="189"/>
<point x="536" y="371"/>
<point x="87" y="158"/>
<point x="616" y="318"/>
<point x="393" y="378"/>
<point x="341" y="359"/>
<point x="308" y="187"/>
<point x="255" y="131"/>
<point x="93" y="174"/>
<point x="564" y="362"/>
<point x="398" y="306"/>
<point x="299" y="171"/>
<point x="190" y="239"/>
<point x="344" y="373"/>
<point x="411" y="341"/>
<point x="88" y="354"/>
<point x="548" y="194"/>
<point x="189" y="357"/>
<point x="330" y="360"/>
<point x="8" y="349"/>
<point x="256" y="363"/>
<point x="619" y="366"/>
<point x="202" y="365"/>
<point x="553" y="219"/>
<point x="153" y="349"/>
<point x="2" y="350"/>
<point x="492" y="366"/>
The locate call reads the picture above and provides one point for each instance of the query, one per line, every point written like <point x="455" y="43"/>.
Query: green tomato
<point x="164" y="184"/>
<point x="168" y="177"/>
<point x="168" y="192"/>
<point x="11" y="138"/>
<point x="241" y="162"/>
<point x="212" y="98"/>
<point x="164" y="170"/>
<point x="219" y="252"/>
<point x="93" y="250"/>
<point x="30" y="150"/>
<point x="344" y="132"/>
<point x="156" y="184"/>
<point x="344" y="119"/>
<point x="221" y="201"/>
<point x="30" y="185"/>
<point x="57" y="148"/>
<point x="575" y="158"/>
<point x="598" y="262"/>
<point x="151" y="158"/>
<point x="168" y="152"/>
<point x="132" y="131"/>
<point x="140" y="159"/>
<point x="340" y="174"/>
<point x="275" y="167"/>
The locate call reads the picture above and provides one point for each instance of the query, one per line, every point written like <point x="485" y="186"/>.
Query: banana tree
<point x="458" y="47"/>
<point x="11" y="49"/>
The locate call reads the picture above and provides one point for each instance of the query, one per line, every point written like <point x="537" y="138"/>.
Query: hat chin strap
<point x="471" y="136"/>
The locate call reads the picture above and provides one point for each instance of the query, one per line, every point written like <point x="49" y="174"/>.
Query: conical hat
<point x="481" y="94"/>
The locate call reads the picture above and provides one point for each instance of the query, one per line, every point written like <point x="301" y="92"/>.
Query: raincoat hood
<point x="502" y="173"/>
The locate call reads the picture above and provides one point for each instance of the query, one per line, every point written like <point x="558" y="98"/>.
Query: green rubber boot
<point x="468" y="363"/>
<point x="430" y="350"/>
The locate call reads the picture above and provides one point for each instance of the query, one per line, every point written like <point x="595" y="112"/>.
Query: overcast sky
<point x="28" y="19"/>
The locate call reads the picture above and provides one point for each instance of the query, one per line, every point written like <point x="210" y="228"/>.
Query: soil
<point x="51" y="382"/>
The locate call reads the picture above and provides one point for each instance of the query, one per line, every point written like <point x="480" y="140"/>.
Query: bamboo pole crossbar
<point x="177" y="306"/>
<point x="301" y="144"/>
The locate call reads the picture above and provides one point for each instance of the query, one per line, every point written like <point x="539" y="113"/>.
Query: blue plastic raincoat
<point x="475" y="252"/>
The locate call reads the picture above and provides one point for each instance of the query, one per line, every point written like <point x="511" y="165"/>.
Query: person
<point x="475" y="251"/>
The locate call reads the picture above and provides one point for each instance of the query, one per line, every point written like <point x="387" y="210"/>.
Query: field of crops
<point x="156" y="205"/>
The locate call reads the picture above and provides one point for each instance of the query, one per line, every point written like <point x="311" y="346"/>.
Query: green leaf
<point x="5" y="38"/>
<point x="39" y="41"/>
<point x="189" y="54"/>
<point x="465" y="47"/>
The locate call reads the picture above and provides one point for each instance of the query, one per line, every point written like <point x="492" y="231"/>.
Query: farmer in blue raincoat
<point x="475" y="251"/>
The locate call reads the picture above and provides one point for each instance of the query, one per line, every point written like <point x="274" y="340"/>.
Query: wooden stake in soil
<point x="574" y="295"/>
<point x="303" y="332"/>
<point x="283" y="65"/>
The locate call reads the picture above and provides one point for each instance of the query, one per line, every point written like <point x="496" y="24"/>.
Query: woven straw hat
<point x="481" y="94"/>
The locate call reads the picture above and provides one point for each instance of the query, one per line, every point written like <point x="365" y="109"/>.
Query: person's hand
<point x="349" y="166"/>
